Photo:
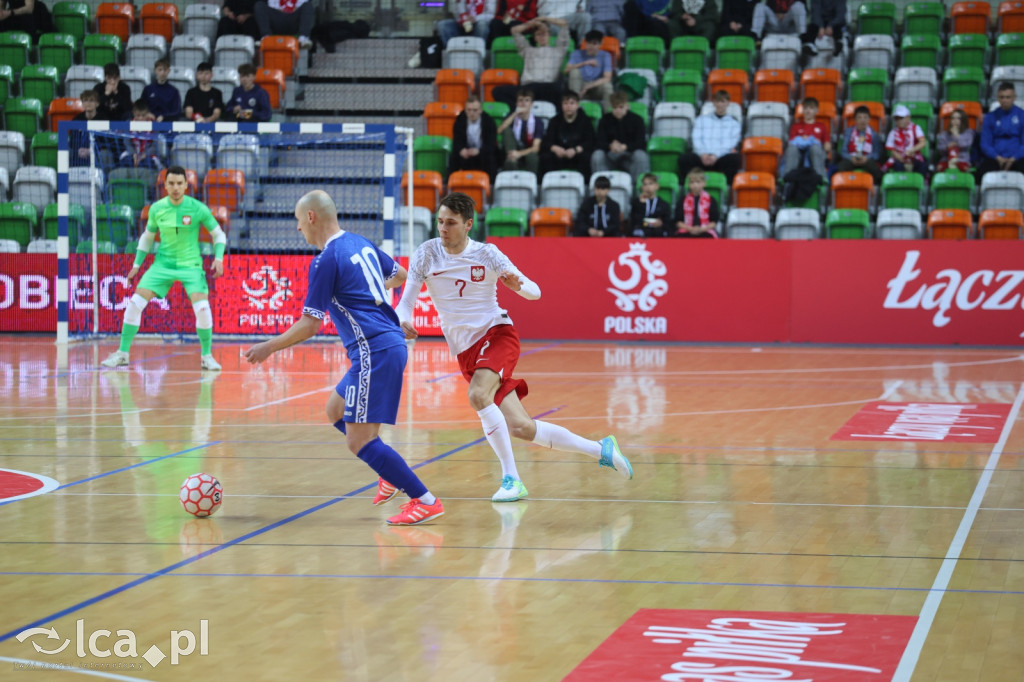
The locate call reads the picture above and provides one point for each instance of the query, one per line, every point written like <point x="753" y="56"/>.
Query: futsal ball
<point x="201" y="494"/>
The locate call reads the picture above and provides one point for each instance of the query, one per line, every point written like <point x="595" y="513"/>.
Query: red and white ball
<point x="201" y="494"/>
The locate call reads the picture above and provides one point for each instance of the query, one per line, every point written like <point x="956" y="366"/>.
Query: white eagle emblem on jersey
<point x="186" y="220"/>
<point x="476" y="273"/>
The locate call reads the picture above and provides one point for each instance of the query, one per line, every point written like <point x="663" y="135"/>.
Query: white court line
<point x="76" y="671"/>
<point x="78" y="416"/>
<point x="931" y="605"/>
<point x="284" y="400"/>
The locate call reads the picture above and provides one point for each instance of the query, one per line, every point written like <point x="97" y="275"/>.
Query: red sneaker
<point x="415" y="512"/>
<point x="385" y="491"/>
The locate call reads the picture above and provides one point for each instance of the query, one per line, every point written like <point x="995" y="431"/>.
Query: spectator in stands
<point x="140" y="151"/>
<point x="510" y="13"/>
<point x="1002" y="134"/>
<point x="163" y="98"/>
<point x="650" y="215"/>
<point x="621" y="141"/>
<point x="809" y="140"/>
<point x="569" y="140"/>
<point x="542" y="62"/>
<point x="249" y="103"/>
<point x="956" y="144"/>
<point x="904" y="144"/>
<point x="828" y="18"/>
<point x="28" y="16"/>
<point x="599" y="215"/>
<point x="238" y="18"/>
<point x="648" y="18"/>
<point x="474" y="141"/>
<point x="573" y="12"/>
<point x="606" y="17"/>
<point x="204" y="103"/>
<point x="716" y="138"/>
<point x="697" y="212"/>
<point x="589" y="70"/>
<point x="697" y="18"/>
<point x="286" y="17"/>
<point x="79" y="143"/>
<point x="522" y="133"/>
<point x="468" y="18"/>
<point x="862" y="146"/>
<point x="779" y="16"/>
<point x="115" y="95"/>
<point x="737" y="17"/>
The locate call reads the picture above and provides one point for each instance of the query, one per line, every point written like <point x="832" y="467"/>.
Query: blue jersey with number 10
<point x="347" y="281"/>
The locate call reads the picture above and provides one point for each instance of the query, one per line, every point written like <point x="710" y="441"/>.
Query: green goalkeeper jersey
<point x="179" y="227"/>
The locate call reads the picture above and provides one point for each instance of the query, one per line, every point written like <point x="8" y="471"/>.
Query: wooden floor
<point x="741" y="502"/>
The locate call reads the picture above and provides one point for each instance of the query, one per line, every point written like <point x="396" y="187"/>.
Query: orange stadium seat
<point x="1011" y="17"/>
<point x="550" y="222"/>
<point x="826" y="114"/>
<point x="492" y="78"/>
<point x="159" y="18"/>
<point x="64" y="109"/>
<point x="754" y="190"/>
<point x="272" y="80"/>
<point x="454" y="85"/>
<point x="733" y="81"/>
<point x="474" y="183"/>
<point x="191" y="183"/>
<point x="773" y="85"/>
<point x="852" y="190"/>
<point x="998" y="223"/>
<point x="280" y="52"/>
<point x="441" y="117"/>
<point x="952" y="223"/>
<point x="426" y="188"/>
<point x="972" y="109"/>
<point x="970" y="17"/>
<point x="224" y="187"/>
<point x="761" y="154"/>
<point x="610" y="44"/>
<point x="823" y="85"/>
<point x="877" y="114"/>
<point x="115" y="18"/>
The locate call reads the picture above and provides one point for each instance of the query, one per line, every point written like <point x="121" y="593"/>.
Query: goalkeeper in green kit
<point x="178" y="219"/>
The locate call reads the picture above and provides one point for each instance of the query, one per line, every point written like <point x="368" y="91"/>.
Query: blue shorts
<point x="372" y="387"/>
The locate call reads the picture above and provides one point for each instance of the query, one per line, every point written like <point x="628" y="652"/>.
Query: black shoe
<point x="837" y="48"/>
<point x="810" y="50"/>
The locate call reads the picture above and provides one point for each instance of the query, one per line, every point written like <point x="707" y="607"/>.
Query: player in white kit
<point x="462" y="278"/>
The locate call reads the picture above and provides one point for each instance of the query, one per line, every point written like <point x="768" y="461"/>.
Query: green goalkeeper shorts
<point x="159" y="279"/>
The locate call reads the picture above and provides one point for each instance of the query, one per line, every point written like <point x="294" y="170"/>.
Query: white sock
<point x="557" y="437"/>
<point x="428" y="498"/>
<point x="496" y="431"/>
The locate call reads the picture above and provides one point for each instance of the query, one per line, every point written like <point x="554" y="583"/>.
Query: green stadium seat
<point x="645" y="52"/>
<point x="682" y="86"/>
<point x="100" y="49"/>
<point x="968" y="49"/>
<point x="14" y="47"/>
<point x="40" y="82"/>
<point x="132" y="187"/>
<point x="498" y="111"/>
<point x="715" y="184"/>
<point x="734" y="52"/>
<point x="115" y="223"/>
<point x="101" y="247"/>
<point x="72" y="18"/>
<point x="641" y="110"/>
<point x="668" y="187"/>
<point x="1010" y="49"/>
<point x="923" y="114"/>
<point x="76" y="223"/>
<point x="505" y="55"/>
<point x="952" y="190"/>
<point x="920" y="50"/>
<point x="507" y="222"/>
<point x="867" y="85"/>
<point x="690" y="53"/>
<point x="18" y="221"/>
<point x="44" y="150"/>
<point x="432" y="152"/>
<point x="923" y="18"/>
<point x="24" y="115"/>
<point x="903" y="190"/>
<point x="876" y="18"/>
<point x="58" y="50"/>
<point x="847" y="223"/>
<point x="593" y="111"/>
<point x="664" y="153"/>
<point x="6" y="83"/>
<point x="963" y="84"/>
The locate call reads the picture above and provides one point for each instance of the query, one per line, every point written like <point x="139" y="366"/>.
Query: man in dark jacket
<point x="599" y="215"/>
<point x="621" y="140"/>
<point x="569" y="140"/>
<point x="474" y="141"/>
<point x="163" y="98"/>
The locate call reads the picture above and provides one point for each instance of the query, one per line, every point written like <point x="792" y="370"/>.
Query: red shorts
<point x="497" y="351"/>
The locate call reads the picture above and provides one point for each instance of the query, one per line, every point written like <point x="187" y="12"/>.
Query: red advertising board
<point x="928" y="422"/>
<point x="664" y="644"/>
<point x="28" y="292"/>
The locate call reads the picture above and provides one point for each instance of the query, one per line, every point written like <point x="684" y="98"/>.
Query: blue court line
<point x="242" y="538"/>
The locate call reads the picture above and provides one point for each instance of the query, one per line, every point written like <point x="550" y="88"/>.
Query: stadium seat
<point x="12" y="150"/>
<point x="780" y="51"/>
<point x="768" y="119"/>
<point x="99" y="49"/>
<point x="441" y="117"/>
<point x="852" y="190"/>
<point x="970" y="17"/>
<point x="182" y="78"/>
<point x="1013" y="74"/>
<point x="899" y="223"/>
<point x="5" y="184"/>
<point x="36" y="185"/>
<point x="476" y="184"/>
<point x="81" y="77"/>
<point x="797" y="223"/>
<point x="716" y="185"/>
<point x="188" y="51"/>
<point x="773" y="85"/>
<point x="516" y="189"/>
<point x="645" y="52"/>
<point x="144" y="49"/>
<point x="952" y="189"/>
<point x="10" y="246"/>
<point x="194" y="151"/>
<point x="563" y="189"/>
<point x="668" y="187"/>
<point x="233" y="50"/>
<point x="133" y="187"/>
<point x="664" y="153"/>
<point x="681" y="85"/>
<point x="42" y="246"/>
<point x="867" y="85"/>
<point x="690" y="53"/>
<point x="847" y="223"/>
<point x="57" y="50"/>
<point x="1010" y="49"/>
<point x="432" y="152"/>
<point x="545" y="111"/>
<point x="422" y="223"/>
<point x="1001" y="224"/>
<point x="39" y="82"/>
<point x="593" y="111"/>
<point x="972" y="109"/>
<point x="622" y="188"/>
<point x="103" y="247"/>
<point x="1002" y="189"/>
<point x="734" y="52"/>
<point x="924" y="19"/>
<point x="876" y="17"/>
<point x="673" y="119"/>
<point x="641" y="110"/>
<point x="224" y="187"/>
<point x="650" y="94"/>
<point x="968" y="50"/>
<point x="44" y="150"/>
<point x="72" y="18"/>
<point x="505" y="54"/>
<point x="115" y="18"/>
<point x="137" y="78"/>
<point x="825" y="85"/>
<point x="748" y="223"/>
<point x="18" y="221"/>
<point x="225" y="79"/>
<point x="1011" y="17"/>
<point x="550" y="222"/>
<point x="498" y="111"/>
<point x="902" y="190"/>
<point x="916" y="84"/>
<point x="920" y="50"/>
<point x="51" y="222"/>
<point x="114" y="224"/>
<point x="492" y="78"/>
<point x="963" y="84"/>
<point x="84" y="186"/>
<point x="950" y="224"/>
<point x="507" y="222"/>
<point x="6" y="83"/>
<point x="923" y="114"/>
<point x="874" y="52"/>
<point x="454" y="85"/>
<point x="64" y="109"/>
<point x="14" y="49"/>
<point x="465" y="53"/>
<point x="23" y="115"/>
<point x="754" y="190"/>
<point x="762" y="154"/>
<point x="201" y="19"/>
<point x="272" y="80"/>
<point x="877" y="111"/>
<point x="159" y="18"/>
<point x="610" y="44"/>
<point x="426" y="188"/>
<point x="733" y="81"/>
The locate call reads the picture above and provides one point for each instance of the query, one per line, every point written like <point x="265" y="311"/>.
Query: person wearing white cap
<point x="904" y="144"/>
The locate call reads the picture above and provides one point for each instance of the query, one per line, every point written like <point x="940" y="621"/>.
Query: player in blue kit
<point x="349" y="280"/>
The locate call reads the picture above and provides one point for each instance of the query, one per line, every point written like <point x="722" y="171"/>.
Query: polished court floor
<point x="742" y="501"/>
